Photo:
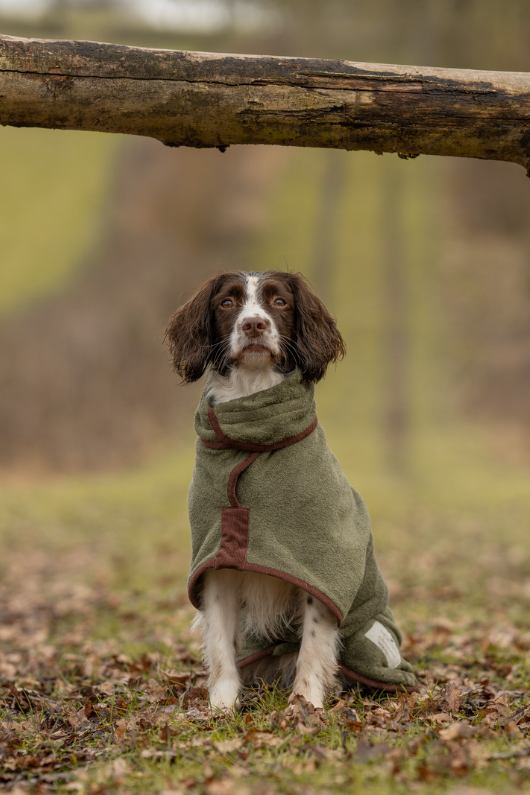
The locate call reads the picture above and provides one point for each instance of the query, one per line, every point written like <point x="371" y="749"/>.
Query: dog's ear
<point x="190" y="333"/>
<point x="318" y="340"/>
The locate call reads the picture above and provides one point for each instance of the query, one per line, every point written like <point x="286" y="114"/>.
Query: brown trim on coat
<point x="365" y="680"/>
<point x="234" y="537"/>
<point x="258" y="655"/>
<point x="235" y="563"/>
<point x="226" y="443"/>
<point x="234" y="474"/>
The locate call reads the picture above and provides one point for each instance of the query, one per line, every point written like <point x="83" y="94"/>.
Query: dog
<point x="252" y="332"/>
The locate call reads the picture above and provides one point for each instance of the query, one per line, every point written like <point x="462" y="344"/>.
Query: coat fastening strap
<point x="226" y="443"/>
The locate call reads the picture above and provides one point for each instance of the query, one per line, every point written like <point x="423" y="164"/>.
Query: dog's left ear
<point x="318" y="340"/>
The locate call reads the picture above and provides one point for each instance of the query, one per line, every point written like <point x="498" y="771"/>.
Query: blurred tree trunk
<point x="208" y="100"/>
<point x="396" y="407"/>
<point x="325" y="251"/>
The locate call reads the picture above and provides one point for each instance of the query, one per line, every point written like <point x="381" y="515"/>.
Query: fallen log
<point x="216" y="100"/>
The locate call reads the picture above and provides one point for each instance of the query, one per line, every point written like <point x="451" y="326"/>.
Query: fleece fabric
<point x="268" y="495"/>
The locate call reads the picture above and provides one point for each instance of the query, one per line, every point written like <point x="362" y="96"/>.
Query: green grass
<point x="54" y="190"/>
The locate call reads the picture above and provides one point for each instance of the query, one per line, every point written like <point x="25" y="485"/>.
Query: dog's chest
<point x="241" y="382"/>
<point x="269" y="603"/>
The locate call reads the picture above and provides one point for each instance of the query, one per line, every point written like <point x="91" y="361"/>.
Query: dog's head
<point x="254" y="320"/>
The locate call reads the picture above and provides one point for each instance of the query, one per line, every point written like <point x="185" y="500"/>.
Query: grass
<point x="54" y="185"/>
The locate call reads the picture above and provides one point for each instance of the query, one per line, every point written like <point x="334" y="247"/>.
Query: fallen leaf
<point x="227" y="746"/>
<point x="366" y="750"/>
<point x="457" y="730"/>
<point x="451" y="697"/>
<point x="195" y="697"/>
<point x="441" y="717"/>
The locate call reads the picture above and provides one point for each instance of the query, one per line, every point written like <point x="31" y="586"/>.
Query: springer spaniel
<point x="250" y="330"/>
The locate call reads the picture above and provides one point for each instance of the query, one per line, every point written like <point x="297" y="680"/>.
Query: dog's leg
<point x="317" y="660"/>
<point x="221" y="626"/>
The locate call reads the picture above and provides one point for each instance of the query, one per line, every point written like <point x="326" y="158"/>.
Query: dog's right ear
<point x="190" y="333"/>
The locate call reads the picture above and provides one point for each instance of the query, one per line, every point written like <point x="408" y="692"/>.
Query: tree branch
<point x="211" y="100"/>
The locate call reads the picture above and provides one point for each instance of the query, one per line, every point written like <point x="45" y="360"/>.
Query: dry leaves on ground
<point x="82" y="715"/>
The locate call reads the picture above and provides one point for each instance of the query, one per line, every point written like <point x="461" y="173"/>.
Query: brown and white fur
<point x="250" y="330"/>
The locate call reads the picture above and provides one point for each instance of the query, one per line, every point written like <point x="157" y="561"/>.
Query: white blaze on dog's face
<point x="254" y="321"/>
<point x="255" y="340"/>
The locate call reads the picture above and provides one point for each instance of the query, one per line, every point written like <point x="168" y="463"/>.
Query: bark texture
<point x="214" y="100"/>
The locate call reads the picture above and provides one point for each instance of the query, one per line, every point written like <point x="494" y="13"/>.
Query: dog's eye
<point x="279" y="302"/>
<point x="227" y="303"/>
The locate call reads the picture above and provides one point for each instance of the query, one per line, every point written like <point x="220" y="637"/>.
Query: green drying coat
<point x="269" y="496"/>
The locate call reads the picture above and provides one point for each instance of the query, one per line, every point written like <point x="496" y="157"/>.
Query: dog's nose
<point x="254" y="326"/>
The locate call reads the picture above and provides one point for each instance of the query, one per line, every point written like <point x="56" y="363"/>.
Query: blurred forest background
<point x="425" y="263"/>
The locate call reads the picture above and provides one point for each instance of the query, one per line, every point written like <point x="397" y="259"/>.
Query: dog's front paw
<point x="313" y="692"/>
<point x="223" y="696"/>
